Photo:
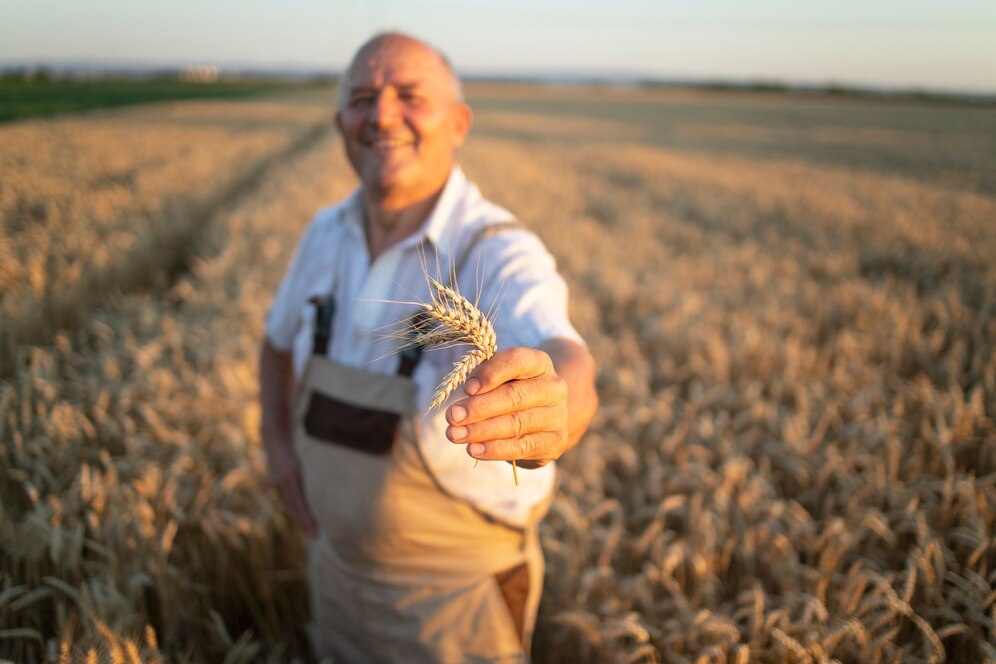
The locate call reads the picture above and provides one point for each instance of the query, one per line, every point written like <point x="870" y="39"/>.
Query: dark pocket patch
<point x="514" y="586"/>
<point x="356" y="427"/>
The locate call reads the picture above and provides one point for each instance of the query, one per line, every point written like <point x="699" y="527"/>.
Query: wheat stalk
<point x="450" y="318"/>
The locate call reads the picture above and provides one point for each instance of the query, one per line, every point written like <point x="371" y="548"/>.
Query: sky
<point x="943" y="46"/>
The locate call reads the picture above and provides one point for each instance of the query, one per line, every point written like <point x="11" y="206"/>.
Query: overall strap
<point x="483" y="233"/>
<point x="410" y="357"/>
<point x="325" y="310"/>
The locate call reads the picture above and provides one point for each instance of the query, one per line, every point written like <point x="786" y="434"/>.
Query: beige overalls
<point x="401" y="571"/>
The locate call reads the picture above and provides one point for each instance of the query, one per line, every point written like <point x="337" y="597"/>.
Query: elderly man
<point x="417" y="551"/>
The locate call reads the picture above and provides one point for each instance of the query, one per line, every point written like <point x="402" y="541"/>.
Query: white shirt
<point x="509" y="274"/>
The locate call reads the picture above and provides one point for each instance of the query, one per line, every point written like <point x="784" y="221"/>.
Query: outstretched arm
<point x="527" y="405"/>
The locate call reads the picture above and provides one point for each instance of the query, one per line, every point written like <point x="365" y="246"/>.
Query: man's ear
<point x="463" y="119"/>
<point x="338" y="122"/>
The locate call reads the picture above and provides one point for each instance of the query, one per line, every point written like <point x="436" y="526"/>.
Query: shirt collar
<point x="439" y="229"/>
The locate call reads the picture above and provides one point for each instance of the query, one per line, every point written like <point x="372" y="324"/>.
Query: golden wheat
<point x="793" y="458"/>
<point x="110" y="450"/>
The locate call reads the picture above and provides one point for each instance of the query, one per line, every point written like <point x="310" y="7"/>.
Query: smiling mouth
<point x="385" y="144"/>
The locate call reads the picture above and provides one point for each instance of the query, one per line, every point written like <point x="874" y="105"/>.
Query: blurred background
<point x="889" y="45"/>
<point x="776" y="220"/>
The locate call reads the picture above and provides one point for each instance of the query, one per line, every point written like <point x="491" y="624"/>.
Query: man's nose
<point x="386" y="110"/>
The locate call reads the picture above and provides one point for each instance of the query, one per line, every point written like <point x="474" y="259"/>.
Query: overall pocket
<point x="359" y="428"/>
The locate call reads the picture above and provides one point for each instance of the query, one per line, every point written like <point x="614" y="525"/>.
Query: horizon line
<point x="494" y="74"/>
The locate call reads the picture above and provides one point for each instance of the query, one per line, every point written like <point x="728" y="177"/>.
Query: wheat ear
<point x="451" y="318"/>
<point x="457" y="375"/>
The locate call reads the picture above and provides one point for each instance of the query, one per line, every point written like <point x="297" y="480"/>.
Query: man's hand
<point x="284" y="475"/>
<point x="521" y="409"/>
<point x="276" y="377"/>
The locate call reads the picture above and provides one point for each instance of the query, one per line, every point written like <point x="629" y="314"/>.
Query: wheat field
<point x="791" y="300"/>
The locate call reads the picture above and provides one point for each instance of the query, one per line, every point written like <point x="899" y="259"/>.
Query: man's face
<point x="401" y="121"/>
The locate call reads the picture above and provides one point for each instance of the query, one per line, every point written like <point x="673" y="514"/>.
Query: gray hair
<point x="343" y="92"/>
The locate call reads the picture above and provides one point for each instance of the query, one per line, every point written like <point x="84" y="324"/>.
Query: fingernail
<point x="458" y="433"/>
<point x="472" y="386"/>
<point x="458" y="413"/>
<point x="474" y="449"/>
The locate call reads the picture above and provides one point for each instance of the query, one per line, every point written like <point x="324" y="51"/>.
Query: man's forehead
<point x="377" y="72"/>
<point x="409" y="62"/>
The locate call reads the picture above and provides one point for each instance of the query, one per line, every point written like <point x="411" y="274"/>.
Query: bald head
<point x="385" y="43"/>
<point x="402" y="119"/>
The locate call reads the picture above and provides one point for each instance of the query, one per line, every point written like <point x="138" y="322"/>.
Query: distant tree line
<point x="26" y="75"/>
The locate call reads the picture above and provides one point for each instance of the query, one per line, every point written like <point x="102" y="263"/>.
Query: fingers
<point x="512" y="397"/>
<point x="524" y="419"/>
<point x="530" y="451"/>
<point x="508" y="365"/>
<point x="517" y="410"/>
<point x="510" y="426"/>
